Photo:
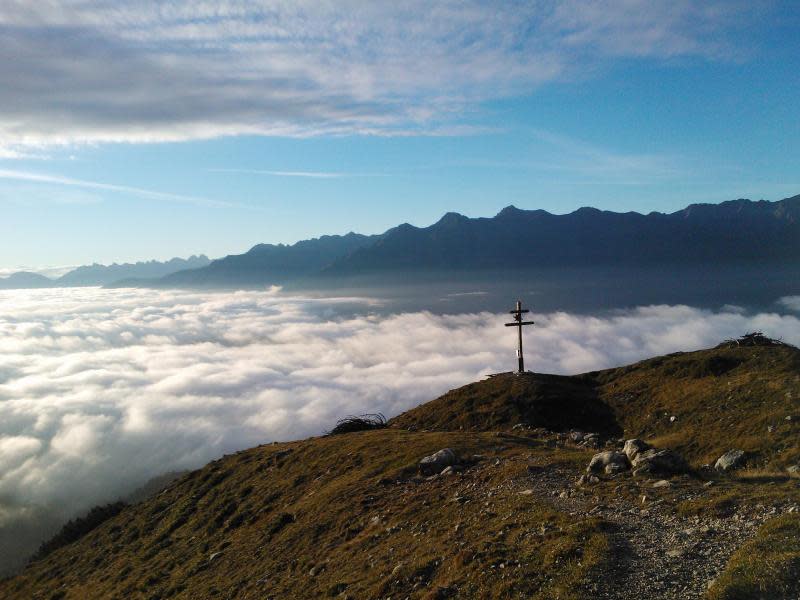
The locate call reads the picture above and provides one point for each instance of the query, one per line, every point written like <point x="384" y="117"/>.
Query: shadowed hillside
<point x="513" y="515"/>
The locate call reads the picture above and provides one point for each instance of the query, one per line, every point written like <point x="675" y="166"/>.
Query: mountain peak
<point x="451" y="218"/>
<point x="509" y="211"/>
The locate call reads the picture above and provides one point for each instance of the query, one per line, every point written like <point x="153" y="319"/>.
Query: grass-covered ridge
<point x="722" y="398"/>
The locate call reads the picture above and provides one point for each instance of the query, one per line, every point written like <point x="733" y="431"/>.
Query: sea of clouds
<point x="102" y="389"/>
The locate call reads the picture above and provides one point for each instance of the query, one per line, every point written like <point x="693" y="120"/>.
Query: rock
<point x="633" y="447"/>
<point x="794" y="469"/>
<point x="526" y="492"/>
<point x="662" y="484"/>
<point x="658" y="462"/>
<point x="576" y="436"/>
<point x="615" y="468"/>
<point x="732" y="459"/>
<point x="436" y="463"/>
<point x="214" y="555"/>
<point x="602" y="460"/>
<point x="588" y="479"/>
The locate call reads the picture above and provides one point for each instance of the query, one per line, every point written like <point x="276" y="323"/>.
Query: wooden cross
<point x="518" y="323"/>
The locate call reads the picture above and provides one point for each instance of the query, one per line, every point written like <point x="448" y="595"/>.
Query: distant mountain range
<point x="735" y="232"/>
<point x="93" y="275"/>
<point x="738" y="231"/>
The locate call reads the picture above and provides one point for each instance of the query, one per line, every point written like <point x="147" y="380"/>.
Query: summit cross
<point x="518" y="323"/>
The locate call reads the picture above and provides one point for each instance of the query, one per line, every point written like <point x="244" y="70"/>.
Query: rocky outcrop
<point x="639" y="456"/>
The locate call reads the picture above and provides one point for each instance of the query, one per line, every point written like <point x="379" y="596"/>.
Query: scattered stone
<point x="675" y="553"/>
<point x="588" y="479"/>
<point x="794" y="469"/>
<point x="730" y="460"/>
<point x="662" y="484"/>
<point x="770" y="428"/>
<point x="526" y="492"/>
<point x="214" y="555"/>
<point x="602" y="460"/>
<point x="436" y="463"/>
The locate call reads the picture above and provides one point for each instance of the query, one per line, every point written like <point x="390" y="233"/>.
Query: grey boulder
<point x="732" y="459"/>
<point x="603" y="461"/>
<point x="658" y="462"/>
<point x="437" y="462"/>
<point x="634" y="447"/>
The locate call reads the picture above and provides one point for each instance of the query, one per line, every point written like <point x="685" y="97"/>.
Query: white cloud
<point x="144" y="71"/>
<point x="791" y="302"/>
<point x="102" y="389"/>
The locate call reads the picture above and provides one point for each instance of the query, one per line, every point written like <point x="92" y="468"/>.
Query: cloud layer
<point x="101" y="389"/>
<point x="89" y="71"/>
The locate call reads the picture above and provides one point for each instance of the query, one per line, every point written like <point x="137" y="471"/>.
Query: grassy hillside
<point x="349" y="516"/>
<point x="329" y="515"/>
<point x="721" y="398"/>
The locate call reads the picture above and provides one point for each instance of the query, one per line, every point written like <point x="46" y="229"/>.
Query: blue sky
<point x="151" y="130"/>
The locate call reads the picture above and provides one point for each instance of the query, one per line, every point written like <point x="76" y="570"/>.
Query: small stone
<point x="675" y="553"/>
<point x="794" y="469"/>
<point x="662" y="484"/>
<point x="397" y="570"/>
<point x="526" y="492"/>
<point x="214" y="555"/>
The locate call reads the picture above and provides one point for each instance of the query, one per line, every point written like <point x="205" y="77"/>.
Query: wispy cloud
<point x="145" y="71"/>
<point x="301" y="174"/>
<point x="58" y="180"/>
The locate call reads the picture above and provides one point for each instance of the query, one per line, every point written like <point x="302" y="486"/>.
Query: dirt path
<point x="658" y="554"/>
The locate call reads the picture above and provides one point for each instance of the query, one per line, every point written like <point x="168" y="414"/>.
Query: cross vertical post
<point x="518" y="323"/>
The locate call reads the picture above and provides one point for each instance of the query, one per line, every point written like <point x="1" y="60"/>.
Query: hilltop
<point x="352" y="515"/>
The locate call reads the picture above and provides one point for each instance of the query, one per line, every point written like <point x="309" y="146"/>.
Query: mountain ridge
<point x="97" y="274"/>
